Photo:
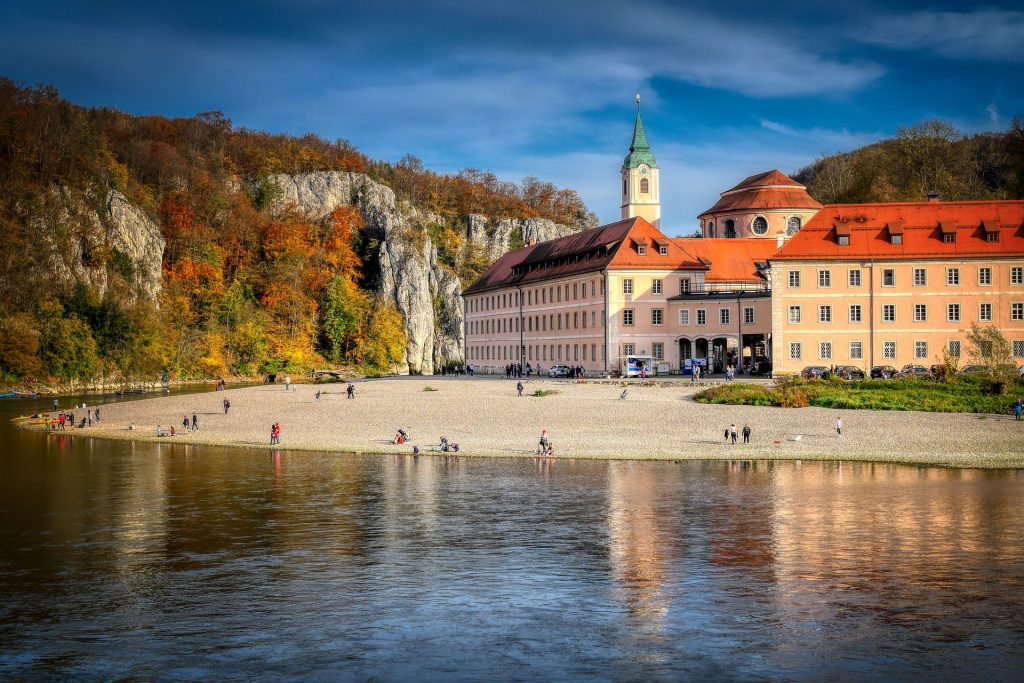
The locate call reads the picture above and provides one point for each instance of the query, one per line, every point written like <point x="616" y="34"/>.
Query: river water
<point x="122" y="561"/>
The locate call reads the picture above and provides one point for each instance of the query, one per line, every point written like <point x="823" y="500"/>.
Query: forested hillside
<point x="932" y="155"/>
<point x="241" y="286"/>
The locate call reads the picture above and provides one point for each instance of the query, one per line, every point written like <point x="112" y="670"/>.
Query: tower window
<point x="730" y="228"/>
<point x="644" y="186"/>
<point x="624" y="187"/>
<point x="760" y="225"/>
<point x="793" y="224"/>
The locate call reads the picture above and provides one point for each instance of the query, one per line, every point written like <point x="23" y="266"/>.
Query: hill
<point x="932" y="155"/>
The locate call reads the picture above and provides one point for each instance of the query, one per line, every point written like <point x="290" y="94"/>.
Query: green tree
<point x="19" y="346"/>
<point x="66" y="345"/>
<point x="988" y="346"/>
<point x="344" y="318"/>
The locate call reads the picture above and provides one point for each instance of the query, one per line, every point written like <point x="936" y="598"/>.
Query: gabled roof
<point x="923" y="223"/>
<point x="769" y="190"/>
<point x="730" y="260"/>
<point x="607" y="246"/>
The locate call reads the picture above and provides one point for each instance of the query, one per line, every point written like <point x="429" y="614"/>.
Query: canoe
<point x="22" y="395"/>
<point x="8" y="394"/>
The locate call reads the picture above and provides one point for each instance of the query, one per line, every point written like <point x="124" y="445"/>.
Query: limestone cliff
<point x="428" y="293"/>
<point x="102" y="244"/>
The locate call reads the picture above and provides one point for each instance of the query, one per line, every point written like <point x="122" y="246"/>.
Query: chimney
<point x="933" y="195"/>
<point x="780" y="239"/>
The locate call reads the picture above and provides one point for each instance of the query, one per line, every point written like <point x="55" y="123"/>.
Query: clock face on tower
<point x="643" y="170"/>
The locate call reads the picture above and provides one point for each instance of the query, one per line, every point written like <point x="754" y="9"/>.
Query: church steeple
<point x="641" y="195"/>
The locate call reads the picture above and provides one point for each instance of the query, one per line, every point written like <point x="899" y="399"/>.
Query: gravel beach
<point x="587" y="420"/>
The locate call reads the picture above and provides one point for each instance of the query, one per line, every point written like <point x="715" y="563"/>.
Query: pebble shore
<point x="584" y="420"/>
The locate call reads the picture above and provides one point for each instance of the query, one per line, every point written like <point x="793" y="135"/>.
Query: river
<point x="167" y="561"/>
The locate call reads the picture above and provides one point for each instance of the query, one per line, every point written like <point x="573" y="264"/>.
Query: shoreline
<point x="487" y="419"/>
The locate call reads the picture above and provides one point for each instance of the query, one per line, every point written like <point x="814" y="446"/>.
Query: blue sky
<point x="542" y="88"/>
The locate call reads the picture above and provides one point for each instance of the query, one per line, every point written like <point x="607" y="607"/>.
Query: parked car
<point x="883" y="372"/>
<point x="849" y="372"/>
<point x="937" y="371"/>
<point x="975" y="370"/>
<point x="814" y="372"/>
<point x="911" y="370"/>
<point x="558" y="371"/>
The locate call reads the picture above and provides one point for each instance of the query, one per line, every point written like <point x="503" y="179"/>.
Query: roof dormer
<point x="895" y="230"/>
<point x="991" y="230"/>
<point x="948" y="230"/>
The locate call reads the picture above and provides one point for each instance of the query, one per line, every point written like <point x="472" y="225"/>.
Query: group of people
<point x="732" y="434"/>
<point x="546" y="447"/>
<point x="195" y="423"/>
<point x="275" y="434"/>
<point x="515" y="370"/>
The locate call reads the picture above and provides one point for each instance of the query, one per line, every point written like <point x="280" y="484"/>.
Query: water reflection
<point x="125" y="560"/>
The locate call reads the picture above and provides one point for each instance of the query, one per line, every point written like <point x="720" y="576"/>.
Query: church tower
<point x="641" y="194"/>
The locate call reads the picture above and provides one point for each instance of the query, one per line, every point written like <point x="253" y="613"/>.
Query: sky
<point x="543" y="88"/>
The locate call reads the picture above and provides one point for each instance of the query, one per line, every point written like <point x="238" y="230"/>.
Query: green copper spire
<point x="639" y="149"/>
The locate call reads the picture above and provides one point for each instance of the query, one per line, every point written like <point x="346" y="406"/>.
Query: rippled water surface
<point x="145" y="561"/>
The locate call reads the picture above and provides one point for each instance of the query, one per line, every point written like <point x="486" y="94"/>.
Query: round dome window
<point x="760" y="225"/>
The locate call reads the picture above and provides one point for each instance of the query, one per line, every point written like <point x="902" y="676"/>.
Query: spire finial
<point x="638" y="101"/>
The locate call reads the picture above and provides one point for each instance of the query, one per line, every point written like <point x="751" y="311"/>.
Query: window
<point x="953" y="313"/>
<point x="645" y="186"/>
<point x="684" y="316"/>
<point x="658" y="351"/>
<point x="953" y="277"/>
<point x="920" y="313"/>
<point x="723" y="316"/>
<point x="1018" y="348"/>
<point x="855" y="313"/>
<point x="627" y="316"/>
<point x="1017" y="311"/>
<point x="627" y="286"/>
<point x="949" y="237"/>
<point x="641" y="249"/>
<point x="794" y="278"/>
<point x="888" y="277"/>
<point x="920" y="349"/>
<point x="825" y="314"/>
<point x="575" y="291"/>
<point x="792" y="225"/>
<point x="920" y="277"/>
<point x="985" y="349"/>
<point x="794" y="314"/>
<point x="888" y="313"/>
<point x="844" y="240"/>
<point x="656" y="316"/>
<point x="1017" y="275"/>
<point x="760" y="225"/>
<point x="656" y="287"/>
<point x="730" y="228"/>
<point x="953" y="347"/>
<point x="623" y="186"/>
<point x="889" y="350"/>
<point x="825" y="350"/>
<point x="748" y="316"/>
<point x="684" y="285"/>
<point x="896" y="239"/>
<point x="628" y="349"/>
<point x="824" y="278"/>
<point x="662" y="250"/>
<point x="584" y="320"/>
<point x="794" y="350"/>
<point x="856" y="350"/>
<point x="985" y="312"/>
<point x="855" y="277"/>
<point x="984" y="276"/>
<point x="702" y="316"/>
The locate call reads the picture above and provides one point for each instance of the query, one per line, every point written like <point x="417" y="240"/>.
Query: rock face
<point x="427" y="293"/>
<point x="93" y="245"/>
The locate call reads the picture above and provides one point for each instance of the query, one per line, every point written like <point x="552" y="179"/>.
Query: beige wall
<point x="714" y="225"/>
<point x="636" y="203"/>
<point x="916" y="341"/>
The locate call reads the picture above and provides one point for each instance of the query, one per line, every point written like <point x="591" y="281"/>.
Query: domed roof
<point x="769" y="190"/>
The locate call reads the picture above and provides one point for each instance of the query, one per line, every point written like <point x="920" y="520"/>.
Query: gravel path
<point x="486" y="418"/>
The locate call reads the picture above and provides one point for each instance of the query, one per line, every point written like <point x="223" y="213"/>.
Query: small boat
<point x="127" y="392"/>
<point x="9" y="394"/>
<point x="20" y="394"/>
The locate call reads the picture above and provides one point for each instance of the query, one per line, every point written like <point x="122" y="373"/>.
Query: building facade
<point x="767" y="205"/>
<point x="894" y="284"/>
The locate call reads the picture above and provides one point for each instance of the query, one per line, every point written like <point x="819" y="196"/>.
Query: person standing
<point x="287" y="383"/>
<point x="746" y="433"/>
<point x="97" y="416"/>
<point x="1018" y="407"/>
<point x="351" y="390"/>
<point x="184" y="424"/>
<point x="55" y="404"/>
<point x="317" y="396"/>
<point x="519" y="388"/>
<point x="727" y="433"/>
<point x="839" y="426"/>
<point x="227" y="406"/>
<point x="732" y="432"/>
<point x="195" y="423"/>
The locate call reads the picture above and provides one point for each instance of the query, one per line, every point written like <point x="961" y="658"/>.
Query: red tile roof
<point x="587" y="251"/>
<point x="730" y="260"/>
<point x="923" y="224"/>
<point x="769" y="190"/>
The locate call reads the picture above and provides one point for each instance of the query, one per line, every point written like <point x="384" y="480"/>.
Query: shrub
<point x="540" y="393"/>
<point x="429" y="389"/>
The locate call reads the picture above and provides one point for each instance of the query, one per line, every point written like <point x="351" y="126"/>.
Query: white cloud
<point x="838" y="139"/>
<point x="985" y="34"/>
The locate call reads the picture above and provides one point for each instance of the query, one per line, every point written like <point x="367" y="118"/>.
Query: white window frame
<point x="854" y="278"/>
<point x="794" y="320"/>
<point x="985" y="311"/>
<point x="628" y="317"/>
<point x="949" y="313"/>
<point x="860" y="313"/>
<point x="923" y="272"/>
<point x="825" y="313"/>
<point x="627" y="285"/>
<point x="748" y="315"/>
<point x="794" y="279"/>
<point x="1018" y="348"/>
<point x="702" y="317"/>
<point x="856" y="350"/>
<point x="825" y="350"/>
<point x="888" y="313"/>
<point x="629" y="349"/>
<point x="824" y="279"/>
<point x="984" y="276"/>
<point x="656" y="286"/>
<point x="658" y="350"/>
<point x="662" y="250"/>
<point x="684" y="316"/>
<point x="657" y="317"/>
<point x="890" y="273"/>
<point x="1017" y="275"/>
<point x="954" y="347"/>
<point x="724" y="316"/>
<point x="952" y="277"/>
<point x="920" y="313"/>
<point x="795" y="350"/>
<point x="1017" y="311"/>
<point x="889" y="350"/>
<point x="920" y="344"/>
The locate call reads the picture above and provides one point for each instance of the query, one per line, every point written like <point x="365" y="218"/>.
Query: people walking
<point x="727" y="433"/>
<point x="227" y="406"/>
<point x="732" y="432"/>
<point x="195" y="423"/>
<point x="519" y="388"/>
<point x="839" y="426"/>
<point x="97" y="416"/>
<point x="351" y="390"/>
<point x="746" y="433"/>
<point x="184" y="424"/>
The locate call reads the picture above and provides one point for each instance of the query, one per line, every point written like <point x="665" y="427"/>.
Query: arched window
<point x="760" y="225"/>
<point x="711" y="229"/>
<point x="644" y="186"/>
<point x="624" y="187"/>
<point x="793" y="224"/>
<point x="730" y="228"/>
